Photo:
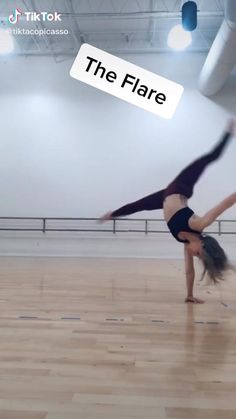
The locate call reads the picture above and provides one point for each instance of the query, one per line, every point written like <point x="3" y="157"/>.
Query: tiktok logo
<point x="34" y="17"/>
<point x="13" y="19"/>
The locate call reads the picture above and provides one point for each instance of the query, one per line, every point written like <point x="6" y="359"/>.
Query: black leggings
<point x="183" y="184"/>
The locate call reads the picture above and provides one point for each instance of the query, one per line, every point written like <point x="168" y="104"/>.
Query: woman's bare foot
<point x="194" y="300"/>
<point x="106" y="217"/>
<point x="231" y="126"/>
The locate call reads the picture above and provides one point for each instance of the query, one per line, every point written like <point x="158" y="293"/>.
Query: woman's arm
<point x="190" y="274"/>
<point x="199" y="223"/>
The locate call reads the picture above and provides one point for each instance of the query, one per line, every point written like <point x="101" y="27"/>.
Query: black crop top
<point x="179" y="222"/>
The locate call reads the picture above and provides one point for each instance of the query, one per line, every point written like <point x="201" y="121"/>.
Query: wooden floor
<point x="113" y="339"/>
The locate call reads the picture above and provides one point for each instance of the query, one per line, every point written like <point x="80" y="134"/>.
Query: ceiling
<point x="119" y="26"/>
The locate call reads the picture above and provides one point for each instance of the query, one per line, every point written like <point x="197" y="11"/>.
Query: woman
<point x="184" y="225"/>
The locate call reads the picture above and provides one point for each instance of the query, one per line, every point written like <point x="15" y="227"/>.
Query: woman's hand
<point x="194" y="300"/>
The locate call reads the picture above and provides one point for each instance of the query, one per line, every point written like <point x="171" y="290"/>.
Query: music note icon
<point x="13" y="19"/>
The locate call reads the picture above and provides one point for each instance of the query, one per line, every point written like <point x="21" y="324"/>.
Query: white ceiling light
<point x="178" y="38"/>
<point x="6" y="42"/>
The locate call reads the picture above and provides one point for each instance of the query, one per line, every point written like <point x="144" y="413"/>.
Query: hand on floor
<point x="194" y="300"/>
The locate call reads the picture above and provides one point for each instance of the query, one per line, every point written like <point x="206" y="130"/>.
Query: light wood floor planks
<point x="113" y="339"/>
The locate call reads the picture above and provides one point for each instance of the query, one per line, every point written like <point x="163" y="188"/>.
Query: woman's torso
<point x="172" y="204"/>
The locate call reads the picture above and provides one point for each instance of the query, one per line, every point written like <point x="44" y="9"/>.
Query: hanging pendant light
<point x="189" y="16"/>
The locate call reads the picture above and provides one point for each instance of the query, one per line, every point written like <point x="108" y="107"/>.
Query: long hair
<point x="214" y="259"/>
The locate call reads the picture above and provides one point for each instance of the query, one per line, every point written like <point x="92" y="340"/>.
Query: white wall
<point x="69" y="150"/>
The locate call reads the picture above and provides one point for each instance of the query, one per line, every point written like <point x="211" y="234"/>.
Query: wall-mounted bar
<point x="92" y="225"/>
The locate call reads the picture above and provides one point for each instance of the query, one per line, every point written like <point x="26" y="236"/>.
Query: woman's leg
<point x="150" y="202"/>
<point x="182" y="184"/>
<point x="190" y="175"/>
